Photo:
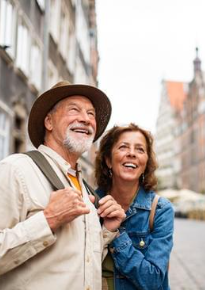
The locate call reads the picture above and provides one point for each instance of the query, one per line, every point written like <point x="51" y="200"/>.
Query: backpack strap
<point x="45" y="167"/>
<point x="152" y="212"/>
<point x="91" y="191"/>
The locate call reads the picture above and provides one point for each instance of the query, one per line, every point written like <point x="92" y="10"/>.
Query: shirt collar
<point x="59" y="161"/>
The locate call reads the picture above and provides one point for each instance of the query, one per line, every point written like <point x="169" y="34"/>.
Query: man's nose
<point x="84" y="116"/>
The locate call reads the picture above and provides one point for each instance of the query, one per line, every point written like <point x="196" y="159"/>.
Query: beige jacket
<point x="31" y="257"/>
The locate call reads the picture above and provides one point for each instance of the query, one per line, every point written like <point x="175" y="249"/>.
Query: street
<point x="187" y="263"/>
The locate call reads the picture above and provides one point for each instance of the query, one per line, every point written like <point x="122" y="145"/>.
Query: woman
<point x="138" y="257"/>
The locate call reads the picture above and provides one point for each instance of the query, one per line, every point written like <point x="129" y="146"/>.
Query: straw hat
<point x="45" y="102"/>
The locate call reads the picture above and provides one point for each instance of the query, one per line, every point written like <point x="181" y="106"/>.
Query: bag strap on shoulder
<point x="152" y="212"/>
<point x="91" y="191"/>
<point x="45" y="167"/>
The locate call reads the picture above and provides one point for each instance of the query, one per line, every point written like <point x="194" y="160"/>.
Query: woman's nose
<point x="131" y="152"/>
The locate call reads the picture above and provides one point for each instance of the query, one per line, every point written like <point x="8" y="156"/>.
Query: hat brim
<point x="45" y="102"/>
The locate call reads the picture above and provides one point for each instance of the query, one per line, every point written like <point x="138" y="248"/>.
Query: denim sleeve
<point x="147" y="271"/>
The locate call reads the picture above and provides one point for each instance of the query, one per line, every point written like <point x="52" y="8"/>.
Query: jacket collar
<point x="143" y="199"/>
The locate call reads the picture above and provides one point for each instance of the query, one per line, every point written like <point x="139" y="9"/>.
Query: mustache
<point x="81" y="126"/>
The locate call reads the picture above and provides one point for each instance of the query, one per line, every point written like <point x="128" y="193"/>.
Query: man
<point x="53" y="240"/>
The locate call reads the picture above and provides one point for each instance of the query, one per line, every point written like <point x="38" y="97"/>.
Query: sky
<point x="141" y="43"/>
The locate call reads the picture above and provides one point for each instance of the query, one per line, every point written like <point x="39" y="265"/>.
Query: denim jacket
<point x="141" y="257"/>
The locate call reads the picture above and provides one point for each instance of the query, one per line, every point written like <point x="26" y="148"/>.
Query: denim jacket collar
<point x="143" y="199"/>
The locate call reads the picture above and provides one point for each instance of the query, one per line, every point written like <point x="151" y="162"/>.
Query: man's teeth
<point x="81" y="131"/>
<point x="130" y="165"/>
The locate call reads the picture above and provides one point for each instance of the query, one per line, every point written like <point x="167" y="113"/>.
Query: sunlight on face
<point x="78" y="144"/>
<point x="129" y="156"/>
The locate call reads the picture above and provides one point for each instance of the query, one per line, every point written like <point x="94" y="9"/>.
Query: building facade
<point x="193" y="136"/>
<point x="41" y="43"/>
<point x="167" y="143"/>
<point x="180" y="133"/>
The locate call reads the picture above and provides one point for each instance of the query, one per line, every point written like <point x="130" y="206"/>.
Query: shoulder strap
<point x="152" y="212"/>
<point x="42" y="163"/>
<point x="51" y="175"/>
<point x="90" y="190"/>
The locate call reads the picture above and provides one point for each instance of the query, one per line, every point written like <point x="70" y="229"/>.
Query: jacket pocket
<point x="140" y="240"/>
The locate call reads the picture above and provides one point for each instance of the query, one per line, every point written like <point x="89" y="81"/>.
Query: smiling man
<point x="53" y="239"/>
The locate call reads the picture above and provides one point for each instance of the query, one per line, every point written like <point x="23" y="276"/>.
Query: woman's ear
<point x="48" y="122"/>
<point x="108" y="162"/>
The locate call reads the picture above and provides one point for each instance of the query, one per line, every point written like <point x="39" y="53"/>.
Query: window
<point x="23" y="42"/>
<point x="64" y="31"/>
<point x="19" y="128"/>
<point x="5" y="114"/>
<point x="80" y="74"/>
<point x="7" y="26"/>
<point x="36" y="65"/>
<point x="54" y="16"/>
<point x="71" y="53"/>
<point x="52" y="74"/>
<point x="82" y="33"/>
<point x="201" y="107"/>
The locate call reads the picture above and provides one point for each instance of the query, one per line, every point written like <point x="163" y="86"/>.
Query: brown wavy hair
<point x="102" y="174"/>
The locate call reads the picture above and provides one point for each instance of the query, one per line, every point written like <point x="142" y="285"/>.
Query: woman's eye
<point x="123" y="147"/>
<point x="141" y="150"/>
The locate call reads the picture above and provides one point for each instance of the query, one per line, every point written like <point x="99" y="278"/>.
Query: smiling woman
<point x="123" y="161"/>
<point x="125" y="168"/>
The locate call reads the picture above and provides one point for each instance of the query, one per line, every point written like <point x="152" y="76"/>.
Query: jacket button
<point x="142" y="243"/>
<point x="45" y="243"/>
<point x="16" y="262"/>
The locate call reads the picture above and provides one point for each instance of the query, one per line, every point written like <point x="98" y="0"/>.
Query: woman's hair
<point x="102" y="172"/>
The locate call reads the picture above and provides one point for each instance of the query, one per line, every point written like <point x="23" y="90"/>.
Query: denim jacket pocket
<point x="140" y="240"/>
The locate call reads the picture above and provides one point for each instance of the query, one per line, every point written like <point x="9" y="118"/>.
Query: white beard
<point x="76" y="144"/>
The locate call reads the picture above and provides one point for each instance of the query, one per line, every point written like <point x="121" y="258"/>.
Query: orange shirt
<point x="75" y="181"/>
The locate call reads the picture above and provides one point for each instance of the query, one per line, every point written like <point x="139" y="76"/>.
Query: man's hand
<point x="111" y="212"/>
<point x="64" y="206"/>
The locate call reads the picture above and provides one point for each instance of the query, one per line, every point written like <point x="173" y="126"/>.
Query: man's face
<point x="72" y="124"/>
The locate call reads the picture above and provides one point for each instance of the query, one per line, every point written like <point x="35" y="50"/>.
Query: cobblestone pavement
<point x="187" y="263"/>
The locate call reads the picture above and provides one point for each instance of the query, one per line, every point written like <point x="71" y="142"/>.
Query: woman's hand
<point x="111" y="212"/>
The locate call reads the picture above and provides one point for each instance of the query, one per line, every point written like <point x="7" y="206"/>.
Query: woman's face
<point x="129" y="156"/>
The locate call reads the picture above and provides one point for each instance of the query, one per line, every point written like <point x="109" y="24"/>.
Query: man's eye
<point x="91" y="113"/>
<point x="73" y="109"/>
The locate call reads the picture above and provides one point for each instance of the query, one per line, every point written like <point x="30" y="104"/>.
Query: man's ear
<point x="48" y="122"/>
